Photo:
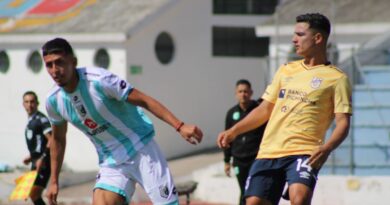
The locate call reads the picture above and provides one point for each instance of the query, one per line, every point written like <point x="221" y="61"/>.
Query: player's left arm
<point x="319" y="157"/>
<point x="57" y="153"/>
<point x="191" y="133"/>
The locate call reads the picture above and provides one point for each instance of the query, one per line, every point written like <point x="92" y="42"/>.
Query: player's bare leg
<point x="300" y="194"/>
<point x="254" y="200"/>
<point x="36" y="195"/>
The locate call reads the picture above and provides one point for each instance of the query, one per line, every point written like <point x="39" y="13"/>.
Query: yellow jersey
<point x="305" y="100"/>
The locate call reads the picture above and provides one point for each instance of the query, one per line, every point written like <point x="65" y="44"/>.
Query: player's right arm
<point x="254" y="119"/>
<point x="57" y="152"/>
<point x="257" y="116"/>
<point x="190" y="133"/>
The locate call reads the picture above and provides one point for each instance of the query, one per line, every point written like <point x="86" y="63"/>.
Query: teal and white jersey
<point x="99" y="108"/>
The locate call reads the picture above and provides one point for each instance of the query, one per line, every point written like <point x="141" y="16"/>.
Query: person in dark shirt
<point x="244" y="148"/>
<point x="38" y="134"/>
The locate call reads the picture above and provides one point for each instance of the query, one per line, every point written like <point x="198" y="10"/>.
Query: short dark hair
<point x="31" y="93"/>
<point x="57" y="46"/>
<point x="316" y="21"/>
<point x="243" y="82"/>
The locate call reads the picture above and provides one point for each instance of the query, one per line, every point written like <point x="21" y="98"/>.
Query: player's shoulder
<point x="54" y="91"/>
<point x="93" y="73"/>
<point x="292" y="66"/>
<point x="294" y="63"/>
<point x="42" y="117"/>
<point x="336" y="70"/>
<point x="40" y="114"/>
<point x="255" y="103"/>
<point x="333" y="73"/>
<point x="233" y="109"/>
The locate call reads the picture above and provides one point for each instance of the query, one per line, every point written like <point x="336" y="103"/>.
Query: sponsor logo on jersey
<point x="164" y="191"/>
<point x="81" y="110"/>
<point x="316" y="82"/>
<point x="98" y="130"/>
<point x="29" y="134"/>
<point x="282" y="92"/>
<point x="236" y="115"/>
<point x="90" y="123"/>
<point x="75" y="98"/>
<point x="300" y="96"/>
<point x="122" y="84"/>
<point x="284" y="109"/>
<point x="98" y="176"/>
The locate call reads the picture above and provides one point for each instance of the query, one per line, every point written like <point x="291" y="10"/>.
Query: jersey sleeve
<point x="343" y="96"/>
<point x="272" y="91"/>
<point x="115" y="87"/>
<point x="54" y="117"/>
<point x="46" y="127"/>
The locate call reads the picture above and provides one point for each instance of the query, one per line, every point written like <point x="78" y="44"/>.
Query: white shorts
<point x="149" y="169"/>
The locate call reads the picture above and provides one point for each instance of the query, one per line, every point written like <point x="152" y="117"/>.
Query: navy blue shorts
<point x="43" y="174"/>
<point x="267" y="177"/>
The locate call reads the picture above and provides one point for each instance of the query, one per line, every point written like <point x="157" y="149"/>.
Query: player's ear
<point x="318" y="38"/>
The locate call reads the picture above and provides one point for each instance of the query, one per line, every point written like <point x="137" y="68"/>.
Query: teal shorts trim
<point x="112" y="189"/>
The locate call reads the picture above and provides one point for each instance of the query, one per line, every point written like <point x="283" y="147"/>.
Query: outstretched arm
<point x="191" y="133"/>
<point x="254" y="119"/>
<point x="319" y="157"/>
<point x="57" y="152"/>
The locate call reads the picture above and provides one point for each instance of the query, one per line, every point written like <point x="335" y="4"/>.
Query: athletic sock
<point x="39" y="202"/>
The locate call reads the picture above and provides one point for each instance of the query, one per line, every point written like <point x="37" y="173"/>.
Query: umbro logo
<point x="164" y="191"/>
<point x="122" y="84"/>
<point x="304" y="174"/>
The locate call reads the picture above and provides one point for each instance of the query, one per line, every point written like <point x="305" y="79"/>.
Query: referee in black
<point x="244" y="148"/>
<point x="38" y="135"/>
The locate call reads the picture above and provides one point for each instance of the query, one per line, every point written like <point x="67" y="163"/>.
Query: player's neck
<point x="318" y="58"/>
<point x="315" y="60"/>
<point x="32" y="113"/>
<point x="72" y="85"/>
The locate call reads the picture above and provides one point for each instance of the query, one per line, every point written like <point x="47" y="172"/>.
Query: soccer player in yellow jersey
<point x="300" y="104"/>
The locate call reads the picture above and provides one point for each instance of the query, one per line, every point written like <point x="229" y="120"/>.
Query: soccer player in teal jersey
<point x="107" y="109"/>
